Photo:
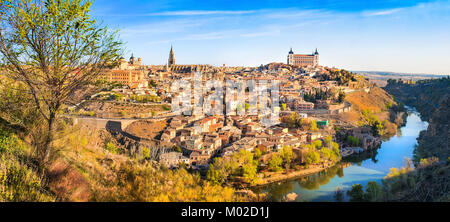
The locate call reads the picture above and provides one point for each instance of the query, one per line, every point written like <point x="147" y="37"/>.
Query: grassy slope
<point x="118" y="177"/>
<point x="19" y="179"/>
<point x="376" y="101"/>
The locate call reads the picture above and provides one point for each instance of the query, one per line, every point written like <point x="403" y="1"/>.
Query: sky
<point x="406" y="36"/>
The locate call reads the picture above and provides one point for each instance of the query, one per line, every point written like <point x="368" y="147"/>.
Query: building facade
<point x="130" y="73"/>
<point x="303" y="59"/>
<point x="172" y="67"/>
<point x="131" y="78"/>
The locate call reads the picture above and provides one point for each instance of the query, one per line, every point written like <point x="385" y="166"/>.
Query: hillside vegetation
<point x="376" y="109"/>
<point x="431" y="99"/>
<point x="19" y="179"/>
<point x="88" y="169"/>
<point x="424" y="95"/>
<point x="430" y="179"/>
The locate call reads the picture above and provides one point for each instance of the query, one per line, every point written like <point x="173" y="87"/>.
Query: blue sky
<point x="378" y="35"/>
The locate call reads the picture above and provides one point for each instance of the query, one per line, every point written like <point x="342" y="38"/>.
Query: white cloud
<point x="381" y="13"/>
<point x="201" y="12"/>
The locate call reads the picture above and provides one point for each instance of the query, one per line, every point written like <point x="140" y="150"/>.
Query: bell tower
<point x="171" y="57"/>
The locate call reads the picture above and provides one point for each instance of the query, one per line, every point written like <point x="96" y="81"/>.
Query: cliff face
<point x="435" y="140"/>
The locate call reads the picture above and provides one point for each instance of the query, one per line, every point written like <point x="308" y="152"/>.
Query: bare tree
<point x="55" y="49"/>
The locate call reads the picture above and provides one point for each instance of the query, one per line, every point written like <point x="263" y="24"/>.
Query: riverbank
<point x="296" y="174"/>
<point x="372" y="165"/>
<point x="274" y="177"/>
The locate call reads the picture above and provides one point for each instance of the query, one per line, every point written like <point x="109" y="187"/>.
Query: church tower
<point x="171" y="57"/>
<point x="316" y="58"/>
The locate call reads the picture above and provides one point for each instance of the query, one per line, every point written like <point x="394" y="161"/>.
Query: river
<point x="371" y="166"/>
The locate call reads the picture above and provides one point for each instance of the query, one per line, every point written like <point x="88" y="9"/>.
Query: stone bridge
<point x="115" y="124"/>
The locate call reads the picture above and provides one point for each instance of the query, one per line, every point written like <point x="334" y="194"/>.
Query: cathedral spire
<point x="171" y="57"/>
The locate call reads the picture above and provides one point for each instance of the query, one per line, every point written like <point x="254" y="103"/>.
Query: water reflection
<point x="315" y="181"/>
<point x="359" y="159"/>
<point x="369" y="166"/>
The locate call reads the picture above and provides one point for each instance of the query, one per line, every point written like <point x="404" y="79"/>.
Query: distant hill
<point x="380" y="78"/>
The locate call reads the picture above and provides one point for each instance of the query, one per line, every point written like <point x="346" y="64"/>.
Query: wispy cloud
<point x="201" y="12"/>
<point x="381" y="13"/>
<point x="154" y="29"/>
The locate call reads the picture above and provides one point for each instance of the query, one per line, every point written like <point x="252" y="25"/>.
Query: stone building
<point x="303" y="59"/>
<point x="130" y="73"/>
<point x="172" y="67"/>
<point x="131" y="78"/>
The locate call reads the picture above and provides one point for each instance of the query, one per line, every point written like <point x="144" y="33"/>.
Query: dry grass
<point x="146" y="129"/>
<point x="122" y="110"/>
<point x="375" y="101"/>
<point x="86" y="171"/>
<point x="82" y="160"/>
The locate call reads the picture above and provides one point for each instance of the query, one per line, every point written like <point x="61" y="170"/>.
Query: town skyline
<point x="355" y="36"/>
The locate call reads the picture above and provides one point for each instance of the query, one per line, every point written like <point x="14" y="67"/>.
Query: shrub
<point x="146" y="153"/>
<point x="286" y="154"/>
<point x="146" y="183"/>
<point x="356" y="193"/>
<point x="275" y="163"/>
<point x="18" y="181"/>
<point x="166" y="107"/>
<point x="312" y="157"/>
<point x="111" y="147"/>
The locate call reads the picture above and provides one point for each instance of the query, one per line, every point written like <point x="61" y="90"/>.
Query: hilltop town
<point x="83" y="120"/>
<point x="324" y="114"/>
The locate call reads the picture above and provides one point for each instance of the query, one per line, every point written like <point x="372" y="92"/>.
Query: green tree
<point x="153" y="83"/>
<point x="177" y="149"/>
<point x="378" y="128"/>
<point x="313" y="126"/>
<point x="341" y="97"/>
<point x="356" y="193"/>
<point x="292" y="121"/>
<point x="275" y="163"/>
<point x="257" y="154"/>
<point x="146" y="153"/>
<point x="111" y="147"/>
<point x="221" y="169"/>
<point x="353" y="141"/>
<point x="374" y="192"/>
<point x="250" y="172"/>
<point x="312" y="157"/>
<point x="218" y="171"/>
<point x="317" y="144"/>
<point x="339" y="195"/>
<point x="335" y="149"/>
<point x="55" y="49"/>
<point x="286" y="155"/>
<point x="328" y="141"/>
